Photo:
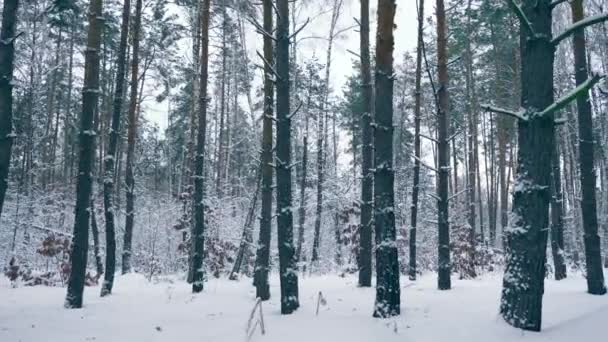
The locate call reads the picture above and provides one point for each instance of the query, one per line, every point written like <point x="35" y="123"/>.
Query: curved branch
<point x="579" y="25"/>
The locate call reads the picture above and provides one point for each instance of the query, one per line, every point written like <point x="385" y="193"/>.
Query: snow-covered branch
<point x="523" y="20"/>
<point x="521" y="115"/>
<point x="579" y="25"/>
<point x="571" y="96"/>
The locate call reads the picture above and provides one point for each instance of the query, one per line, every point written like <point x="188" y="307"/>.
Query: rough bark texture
<point x="443" y="280"/>
<point x="367" y="177"/>
<point x="593" y="255"/>
<point x="287" y="262"/>
<point x="7" y="53"/>
<point x="198" y="233"/>
<point x="262" y="261"/>
<point x="131" y="135"/>
<point x="387" y="263"/>
<point x="523" y="284"/>
<point x="86" y="144"/>
<point x="110" y="159"/>
<point x="417" y="117"/>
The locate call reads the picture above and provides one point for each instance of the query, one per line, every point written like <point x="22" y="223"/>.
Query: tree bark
<point x="131" y="136"/>
<point x="287" y="262"/>
<point x="387" y="263"/>
<point x="110" y="159"/>
<point x="367" y="178"/>
<point x="90" y="94"/>
<point x="593" y="255"/>
<point x="443" y="280"/>
<point x="262" y="261"/>
<point x="7" y="54"/>
<point x="523" y="283"/>
<point x="417" y="117"/>
<point x="198" y="233"/>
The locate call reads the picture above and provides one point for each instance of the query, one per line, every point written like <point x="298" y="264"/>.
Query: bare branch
<point x="295" y="33"/>
<point x="295" y="111"/>
<point x="425" y="164"/>
<point x="458" y="194"/>
<point x="261" y="30"/>
<point x="434" y="196"/>
<point x="580" y="25"/>
<point x="523" y="20"/>
<point x="521" y="115"/>
<point x="429" y="138"/>
<point x="276" y="74"/>
<point x="455" y="135"/>
<point x="353" y="53"/>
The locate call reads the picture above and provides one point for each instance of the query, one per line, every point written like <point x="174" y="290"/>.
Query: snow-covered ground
<point x="165" y="311"/>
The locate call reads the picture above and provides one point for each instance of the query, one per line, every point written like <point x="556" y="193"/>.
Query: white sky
<point x="341" y="67"/>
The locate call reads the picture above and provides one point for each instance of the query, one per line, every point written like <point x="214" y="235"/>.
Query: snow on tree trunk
<point x="387" y="262"/>
<point x="84" y="183"/>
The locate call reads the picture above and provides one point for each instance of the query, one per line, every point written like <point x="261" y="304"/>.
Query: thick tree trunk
<point x="90" y="93"/>
<point x="198" y="233"/>
<point x="523" y="283"/>
<point x="287" y="262"/>
<point x="387" y="261"/>
<point x="110" y="159"/>
<point x="443" y="280"/>
<point x="417" y="117"/>
<point x="593" y="255"/>
<point x="131" y="136"/>
<point x="7" y="53"/>
<point x="262" y="261"/>
<point x="367" y="178"/>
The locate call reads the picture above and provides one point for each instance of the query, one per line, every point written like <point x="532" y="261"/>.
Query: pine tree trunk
<point x="67" y="122"/>
<point x="320" y="176"/>
<point x="557" y="217"/>
<point x="472" y="112"/>
<point x="303" y="181"/>
<point x="262" y="261"/>
<point x="131" y="136"/>
<point x="417" y="155"/>
<point x="221" y="151"/>
<point x="90" y="93"/>
<point x="523" y="283"/>
<point x="110" y="159"/>
<point x="198" y="233"/>
<point x="443" y="281"/>
<point x="593" y="255"/>
<point x="247" y="236"/>
<point x="7" y="53"/>
<point x="387" y="262"/>
<point x="367" y="178"/>
<point x="287" y="262"/>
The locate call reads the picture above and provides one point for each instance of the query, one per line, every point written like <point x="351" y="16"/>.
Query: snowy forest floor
<point x="167" y="311"/>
